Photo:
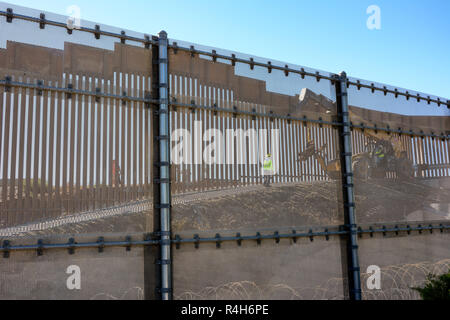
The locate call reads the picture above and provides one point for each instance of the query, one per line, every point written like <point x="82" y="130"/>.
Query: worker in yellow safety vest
<point x="379" y="155"/>
<point x="268" y="169"/>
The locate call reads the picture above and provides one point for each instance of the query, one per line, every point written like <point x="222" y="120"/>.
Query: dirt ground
<point x="280" y="206"/>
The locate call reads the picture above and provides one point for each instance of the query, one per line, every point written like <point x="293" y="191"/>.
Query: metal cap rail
<point x="397" y="93"/>
<point x="10" y="16"/>
<point x="148" y="41"/>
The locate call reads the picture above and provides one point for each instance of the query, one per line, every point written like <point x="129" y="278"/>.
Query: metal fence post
<point x="354" y="277"/>
<point x="164" y="169"/>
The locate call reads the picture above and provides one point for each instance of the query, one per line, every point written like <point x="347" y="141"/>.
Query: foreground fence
<point x="361" y="172"/>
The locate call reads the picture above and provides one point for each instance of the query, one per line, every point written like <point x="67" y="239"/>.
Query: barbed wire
<point x="397" y="283"/>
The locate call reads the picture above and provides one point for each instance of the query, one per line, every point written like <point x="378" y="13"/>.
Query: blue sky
<point x="411" y="50"/>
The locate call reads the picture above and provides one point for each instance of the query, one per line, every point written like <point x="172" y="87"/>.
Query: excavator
<point x="382" y="153"/>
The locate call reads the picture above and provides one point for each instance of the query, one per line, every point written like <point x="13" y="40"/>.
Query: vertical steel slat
<point x="285" y="150"/>
<point x="44" y="190"/>
<point x="432" y="156"/>
<point x="117" y="124"/>
<point x="51" y="147"/>
<point x="429" y="153"/>
<point x="291" y="152"/>
<point x="91" y="158"/>
<point x="135" y="137"/>
<point x="219" y="145"/>
<point x="299" y="171"/>
<point x="76" y="113"/>
<point x="122" y="137"/>
<point x="258" y="147"/>
<point x="438" y="155"/>
<point x="447" y="156"/>
<point x="147" y="141"/>
<point x="5" y="153"/>
<point x="37" y="117"/>
<point x="3" y="95"/>
<point x="303" y="138"/>
<point x="445" y="160"/>
<point x="59" y="122"/>
<point x="141" y="135"/>
<point x="189" y="145"/>
<point x="223" y="124"/>
<point x="12" y="207"/>
<point x="86" y="111"/>
<point x="207" y="127"/>
<point x="104" y="141"/>
<point x="255" y="126"/>
<point x="20" y="151"/>
<point x="70" y="145"/>
<point x="14" y="143"/>
<point x="182" y="186"/>
<point x="199" y="138"/>
<point x="149" y="144"/>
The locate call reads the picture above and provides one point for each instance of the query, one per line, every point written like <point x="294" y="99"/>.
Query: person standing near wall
<point x="268" y="169"/>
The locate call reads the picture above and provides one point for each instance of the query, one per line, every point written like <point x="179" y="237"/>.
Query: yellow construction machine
<point x="382" y="153"/>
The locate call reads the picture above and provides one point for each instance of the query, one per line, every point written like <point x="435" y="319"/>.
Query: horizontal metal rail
<point x="213" y="54"/>
<point x="259" y="236"/>
<point x="400" y="131"/>
<point x="177" y="240"/>
<point x="69" y="91"/>
<point x="98" y="94"/>
<point x="147" y="40"/>
<point x="236" y="111"/>
<point x="80" y="245"/>
<point x="407" y="229"/>
<point x="397" y="93"/>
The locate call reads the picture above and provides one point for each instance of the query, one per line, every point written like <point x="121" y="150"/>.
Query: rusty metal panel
<point x="79" y="163"/>
<point x="404" y="263"/>
<point x="74" y="163"/>
<point x="50" y="276"/>
<point x="228" y="197"/>
<point x="400" y="177"/>
<point x="65" y="168"/>
<point x="270" y="271"/>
